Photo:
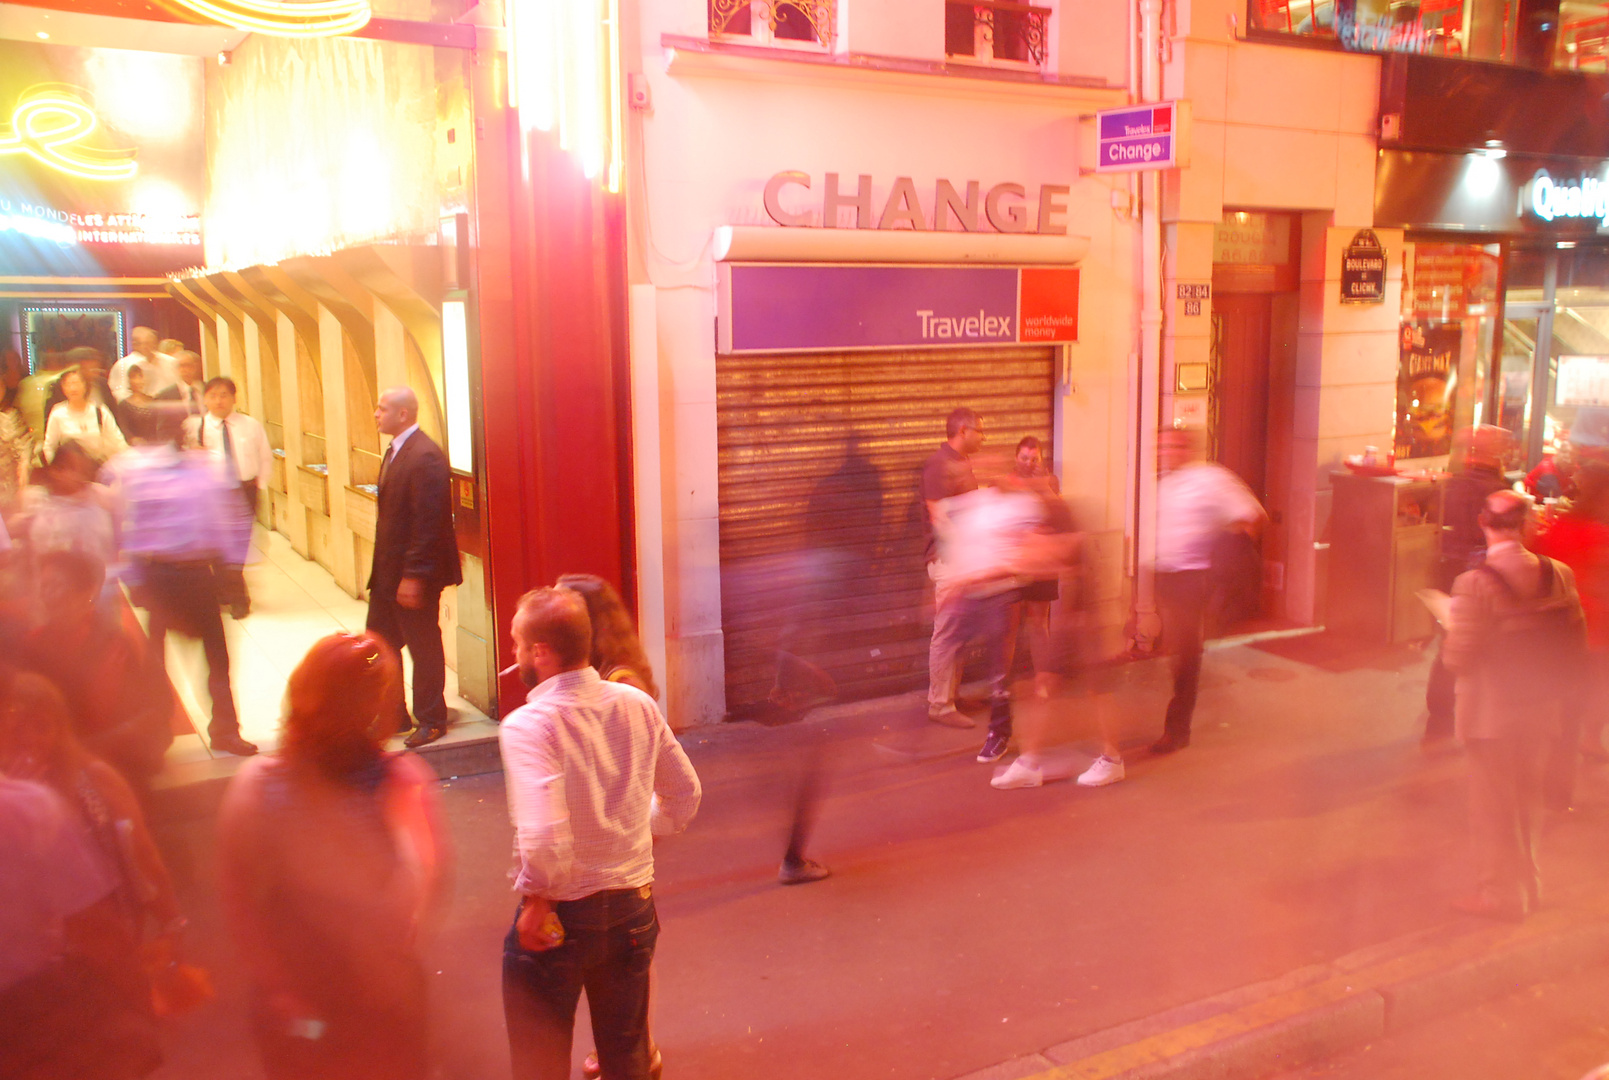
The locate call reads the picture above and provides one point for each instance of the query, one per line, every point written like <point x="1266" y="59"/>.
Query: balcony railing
<point x="996" y="31"/>
<point x="775" y="22"/>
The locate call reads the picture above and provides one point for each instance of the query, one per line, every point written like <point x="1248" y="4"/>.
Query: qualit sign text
<point x="1588" y="198"/>
<point x="1005" y="208"/>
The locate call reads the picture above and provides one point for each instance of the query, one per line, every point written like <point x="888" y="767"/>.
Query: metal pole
<point x="1542" y="363"/>
<point x="1146" y="626"/>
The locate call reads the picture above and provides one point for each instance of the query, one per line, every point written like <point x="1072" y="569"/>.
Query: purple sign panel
<point x="803" y="307"/>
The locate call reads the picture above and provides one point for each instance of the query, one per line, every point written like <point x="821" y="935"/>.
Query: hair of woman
<point x="341" y="702"/>
<point x="614" y="639"/>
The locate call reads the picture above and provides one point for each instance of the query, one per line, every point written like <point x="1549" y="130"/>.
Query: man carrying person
<point x="947" y="473"/>
<point x="594" y="774"/>
<point x="159" y="367"/>
<point x="1196" y="502"/>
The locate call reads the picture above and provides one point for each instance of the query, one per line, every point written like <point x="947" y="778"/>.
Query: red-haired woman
<point x="332" y="862"/>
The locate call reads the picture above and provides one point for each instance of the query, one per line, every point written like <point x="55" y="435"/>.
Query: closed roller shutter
<point x="822" y="539"/>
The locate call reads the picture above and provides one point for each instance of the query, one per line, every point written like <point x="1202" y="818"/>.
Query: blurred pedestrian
<point x="1478" y="471"/>
<point x="190" y="388"/>
<point x="159" y="367"/>
<point x="139" y="912"/>
<point x="333" y="867"/>
<point x="1031" y="620"/>
<point x="66" y="509"/>
<point x="16" y="440"/>
<point x="1516" y="642"/>
<point x="180" y="517"/>
<point x="1197" y="501"/>
<point x="85" y="421"/>
<point x="136" y="413"/>
<point x="34" y="392"/>
<point x="243" y="445"/>
<point x="593" y="774"/>
<point x="946" y="474"/>
<point x="170" y="347"/>
<point x="415" y="557"/>
<point x="120" y="699"/>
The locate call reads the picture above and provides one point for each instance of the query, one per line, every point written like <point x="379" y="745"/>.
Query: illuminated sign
<point x="1550" y="199"/>
<point x="65" y="227"/>
<point x="1004" y="206"/>
<point x="50" y="124"/>
<point x="285" y="18"/>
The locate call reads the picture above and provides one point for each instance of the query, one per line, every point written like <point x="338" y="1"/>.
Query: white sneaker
<point x="1102" y="771"/>
<point x="1018" y="774"/>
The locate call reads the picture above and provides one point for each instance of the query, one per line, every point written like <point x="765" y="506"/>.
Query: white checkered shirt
<point x="593" y="774"/>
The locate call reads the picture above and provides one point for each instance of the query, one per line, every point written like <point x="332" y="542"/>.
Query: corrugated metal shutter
<point x="821" y="522"/>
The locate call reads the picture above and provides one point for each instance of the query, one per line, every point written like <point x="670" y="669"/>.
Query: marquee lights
<point x="285" y="18"/>
<point x="564" y="76"/>
<point x="50" y="123"/>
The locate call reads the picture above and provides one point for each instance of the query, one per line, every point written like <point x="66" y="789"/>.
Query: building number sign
<point x="1192" y="296"/>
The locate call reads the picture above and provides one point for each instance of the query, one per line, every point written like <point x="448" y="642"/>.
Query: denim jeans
<point x="608" y="948"/>
<point x="1182" y="597"/>
<point x="959" y="621"/>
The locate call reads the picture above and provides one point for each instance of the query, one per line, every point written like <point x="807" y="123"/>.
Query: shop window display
<point x="1449" y="309"/>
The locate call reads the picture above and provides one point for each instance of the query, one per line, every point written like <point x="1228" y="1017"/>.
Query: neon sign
<point x="50" y="123"/>
<point x="285" y="18"/>
<point x="1588" y="198"/>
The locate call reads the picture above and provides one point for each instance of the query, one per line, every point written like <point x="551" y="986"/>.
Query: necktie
<point x="228" y="445"/>
<point x="385" y="462"/>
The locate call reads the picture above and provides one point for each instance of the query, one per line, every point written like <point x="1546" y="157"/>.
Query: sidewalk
<point x="965" y="927"/>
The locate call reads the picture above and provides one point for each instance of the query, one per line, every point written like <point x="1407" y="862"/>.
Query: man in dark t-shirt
<point x="947" y="472"/>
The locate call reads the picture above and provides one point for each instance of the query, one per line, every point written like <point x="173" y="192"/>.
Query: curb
<point x="1321" y="1011"/>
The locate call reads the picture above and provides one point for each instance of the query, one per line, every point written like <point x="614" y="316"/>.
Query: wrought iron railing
<point x="995" y="30"/>
<point x="775" y="20"/>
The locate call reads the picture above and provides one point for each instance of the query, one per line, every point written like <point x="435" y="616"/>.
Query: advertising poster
<point x="1427" y="378"/>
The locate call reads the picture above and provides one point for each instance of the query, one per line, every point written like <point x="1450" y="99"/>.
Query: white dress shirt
<point x="593" y="774"/>
<point x="254" y="458"/>
<point x="396" y="447"/>
<point x="161" y="372"/>
<point x="1193" y="505"/>
<point x="94" y="428"/>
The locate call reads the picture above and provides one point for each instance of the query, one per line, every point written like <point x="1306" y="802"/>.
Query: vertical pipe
<point x="1542" y="363"/>
<point x="1150" y="340"/>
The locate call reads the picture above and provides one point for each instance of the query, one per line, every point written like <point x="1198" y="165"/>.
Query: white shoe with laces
<point x="1102" y="771"/>
<point x="1020" y="773"/>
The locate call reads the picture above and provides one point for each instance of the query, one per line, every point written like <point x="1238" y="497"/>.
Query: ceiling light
<point x="42" y="35"/>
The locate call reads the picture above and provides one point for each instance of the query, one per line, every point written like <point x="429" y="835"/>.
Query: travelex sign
<point x="776" y="307"/>
<point x="1141" y="137"/>
<point x="1550" y="199"/>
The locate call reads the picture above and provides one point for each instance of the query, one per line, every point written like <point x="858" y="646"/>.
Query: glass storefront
<point x="1542" y="34"/>
<point x="1449" y="315"/>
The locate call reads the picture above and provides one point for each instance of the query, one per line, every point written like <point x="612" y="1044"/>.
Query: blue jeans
<point x="608" y="948"/>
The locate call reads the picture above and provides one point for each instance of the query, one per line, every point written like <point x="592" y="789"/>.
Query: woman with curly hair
<point x="617" y="654"/>
<point x="332" y="864"/>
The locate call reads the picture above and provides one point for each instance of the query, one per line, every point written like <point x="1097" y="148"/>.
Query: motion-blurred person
<point x="60" y="1014"/>
<point x="16" y="439"/>
<point x="92" y="364"/>
<point x="159" y="367"/>
<point x="947" y="473"/>
<point x="1515" y="638"/>
<point x="170" y="346"/>
<point x="1579" y="538"/>
<point x="1479" y="453"/>
<point x="415" y="556"/>
<point x="1032" y="616"/>
<point x="333" y="865"/>
<point x="119" y="698"/>
<point x="34" y="392"/>
<point x="243" y="445"/>
<point x="67" y="510"/>
<point x="1554" y="477"/>
<point x="1196" y="502"/>
<point x="190" y="388"/>
<point x="593" y="774"/>
<point x="85" y="421"/>
<point x="977" y="584"/>
<point x="36" y="743"/>
<point x="180" y="517"/>
<point x="136" y="414"/>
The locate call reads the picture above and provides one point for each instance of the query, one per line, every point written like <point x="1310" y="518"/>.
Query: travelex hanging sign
<point x="1550" y="199"/>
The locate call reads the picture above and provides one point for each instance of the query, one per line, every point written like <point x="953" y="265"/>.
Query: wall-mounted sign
<point x="1549" y="199"/>
<point x="52" y="124"/>
<point x="1191" y="296"/>
<point x="1153" y="136"/>
<point x="1363" y="270"/>
<point x="1006" y="208"/>
<point x="795" y="307"/>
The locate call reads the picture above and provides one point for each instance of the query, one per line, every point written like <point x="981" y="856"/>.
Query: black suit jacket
<point x="413" y="533"/>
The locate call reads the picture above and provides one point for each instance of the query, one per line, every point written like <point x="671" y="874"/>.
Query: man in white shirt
<point x="190" y="388"/>
<point x="161" y="370"/>
<point x="1196" y="502"/>
<point x="593" y="775"/>
<point x="240" y="440"/>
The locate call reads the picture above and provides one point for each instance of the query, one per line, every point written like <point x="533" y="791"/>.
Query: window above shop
<point x="799" y="24"/>
<point x="1568" y="35"/>
<point x="997" y="33"/>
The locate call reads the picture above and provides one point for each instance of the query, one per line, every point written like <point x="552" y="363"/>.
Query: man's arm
<point x="539" y="810"/>
<point x="265" y="455"/>
<point x="677" y="791"/>
<point x="429" y="501"/>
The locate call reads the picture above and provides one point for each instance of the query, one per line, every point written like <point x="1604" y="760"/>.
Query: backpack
<point x="1544" y="642"/>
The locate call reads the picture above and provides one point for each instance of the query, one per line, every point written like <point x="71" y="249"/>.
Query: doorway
<point x="1242" y="326"/>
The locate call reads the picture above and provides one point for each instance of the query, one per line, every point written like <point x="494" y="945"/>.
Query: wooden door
<point x="1240" y="431"/>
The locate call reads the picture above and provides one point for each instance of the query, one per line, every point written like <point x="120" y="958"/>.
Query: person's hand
<point x="411" y="593"/>
<point x="539" y="926"/>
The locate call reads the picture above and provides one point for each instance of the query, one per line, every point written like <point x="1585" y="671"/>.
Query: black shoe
<point x="1168" y="743"/>
<point x="801" y="872"/>
<point x="239" y="609"/>
<point x="994" y="747"/>
<point x="423" y="735"/>
<point x="232" y="743"/>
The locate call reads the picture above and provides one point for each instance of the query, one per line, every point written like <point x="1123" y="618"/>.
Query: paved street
<point x="965" y="926"/>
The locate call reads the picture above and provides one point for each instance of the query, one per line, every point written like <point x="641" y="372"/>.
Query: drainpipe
<point x="1146" y="624"/>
